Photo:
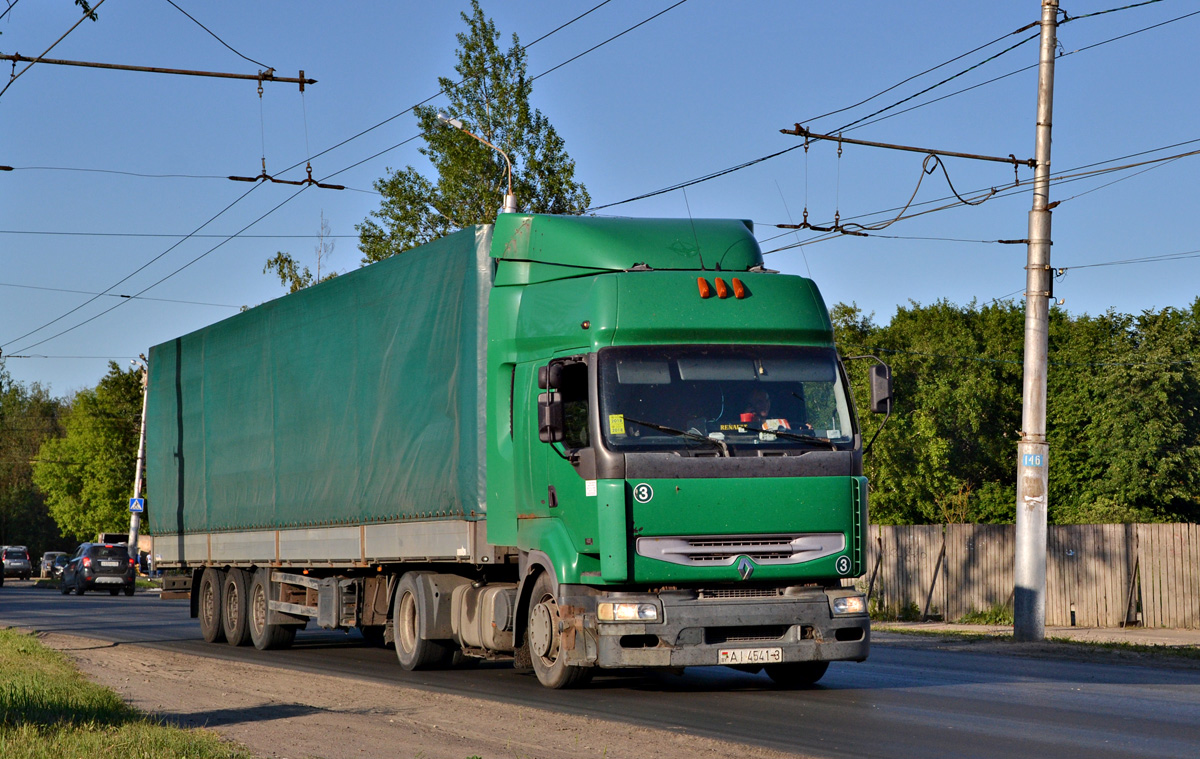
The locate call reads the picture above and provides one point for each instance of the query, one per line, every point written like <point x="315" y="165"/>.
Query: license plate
<point x="109" y="581"/>
<point x="750" y="656"/>
<point x="109" y="563"/>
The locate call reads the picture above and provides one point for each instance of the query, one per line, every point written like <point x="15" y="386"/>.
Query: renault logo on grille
<point x="745" y="568"/>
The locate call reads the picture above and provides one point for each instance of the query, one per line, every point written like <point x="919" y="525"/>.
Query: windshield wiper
<point x="720" y="444"/>
<point x="796" y="436"/>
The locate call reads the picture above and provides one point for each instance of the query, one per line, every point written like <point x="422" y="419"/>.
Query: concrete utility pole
<point x="135" y="519"/>
<point x="1033" y="453"/>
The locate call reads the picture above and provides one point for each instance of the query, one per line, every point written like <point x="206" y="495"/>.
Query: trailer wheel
<point x="799" y="674"/>
<point x="234" y="607"/>
<point x="210" y="605"/>
<point x="549" y="661"/>
<point x="266" y="636"/>
<point x="413" y="651"/>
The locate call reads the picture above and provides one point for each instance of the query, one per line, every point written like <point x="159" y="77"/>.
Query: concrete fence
<point x="1097" y="575"/>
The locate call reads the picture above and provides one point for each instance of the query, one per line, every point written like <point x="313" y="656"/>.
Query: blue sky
<point x="703" y="87"/>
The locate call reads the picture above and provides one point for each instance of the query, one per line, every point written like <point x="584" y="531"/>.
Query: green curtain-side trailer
<point x="582" y="443"/>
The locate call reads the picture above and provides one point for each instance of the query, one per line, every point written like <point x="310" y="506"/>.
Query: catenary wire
<point x="82" y="18"/>
<point x="131" y="274"/>
<point x="295" y="165"/>
<point x="115" y="295"/>
<point x="218" y="39"/>
<point x="747" y="164"/>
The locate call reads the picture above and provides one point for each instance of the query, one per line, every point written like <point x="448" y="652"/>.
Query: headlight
<point x="850" y="605"/>
<point x="626" y="612"/>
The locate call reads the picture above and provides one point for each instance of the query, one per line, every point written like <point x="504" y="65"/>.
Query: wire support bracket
<point x="800" y="131"/>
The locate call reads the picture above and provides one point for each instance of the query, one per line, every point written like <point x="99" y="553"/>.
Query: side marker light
<point x="705" y="290"/>
<point x="722" y="288"/>
<point x="739" y="289"/>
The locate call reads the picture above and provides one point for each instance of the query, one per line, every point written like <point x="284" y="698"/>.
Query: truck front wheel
<point x="413" y="651"/>
<point x="542" y="637"/>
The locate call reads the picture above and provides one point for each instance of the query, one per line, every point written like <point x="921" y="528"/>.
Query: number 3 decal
<point x="843" y="565"/>
<point x="643" y="493"/>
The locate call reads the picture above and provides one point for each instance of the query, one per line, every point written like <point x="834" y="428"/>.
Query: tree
<point x="492" y="99"/>
<point x="1123" y="413"/>
<point x="28" y="417"/>
<point x="87" y="475"/>
<point x="289" y="271"/>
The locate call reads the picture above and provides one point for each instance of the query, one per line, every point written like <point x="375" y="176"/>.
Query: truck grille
<point x="724" y="550"/>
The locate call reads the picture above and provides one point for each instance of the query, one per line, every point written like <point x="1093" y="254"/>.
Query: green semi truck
<point x="580" y="443"/>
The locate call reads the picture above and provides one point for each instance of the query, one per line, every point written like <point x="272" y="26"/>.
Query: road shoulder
<point x="278" y="713"/>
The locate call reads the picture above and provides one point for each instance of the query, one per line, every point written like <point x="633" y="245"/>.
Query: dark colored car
<point x="60" y="563"/>
<point x="16" y="562"/>
<point x="47" y="567"/>
<point x="99" y="566"/>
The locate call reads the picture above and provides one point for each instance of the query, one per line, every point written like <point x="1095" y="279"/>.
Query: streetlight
<point x="510" y="200"/>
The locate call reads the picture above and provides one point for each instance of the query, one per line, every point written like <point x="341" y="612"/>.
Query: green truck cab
<point x="585" y="443"/>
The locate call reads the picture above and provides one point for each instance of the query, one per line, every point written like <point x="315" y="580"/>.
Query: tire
<point x="413" y="651"/>
<point x="129" y="590"/>
<point x="265" y="636"/>
<point x="234" y="594"/>
<point x="79" y="587"/>
<point x="209" y="611"/>
<point x="801" y="674"/>
<point x="542" y="638"/>
<point x="63" y="587"/>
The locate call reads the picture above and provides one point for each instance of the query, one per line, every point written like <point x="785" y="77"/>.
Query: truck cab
<point x="674" y="431"/>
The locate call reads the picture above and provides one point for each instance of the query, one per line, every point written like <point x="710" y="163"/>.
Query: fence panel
<point x="1090" y="569"/>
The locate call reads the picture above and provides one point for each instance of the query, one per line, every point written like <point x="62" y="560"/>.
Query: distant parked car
<point x="60" y="563"/>
<point x="16" y="562"/>
<point x="99" y="566"/>
<point x="48" y="562"/>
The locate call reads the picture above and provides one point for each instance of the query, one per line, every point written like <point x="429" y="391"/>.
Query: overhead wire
<point x="163" y="279"/>
<point x="115" y="295"/>
<point x="11" y="5"/>
<point x="290" y="198"/>
<point x="855" y="125"/>
<point x="218" y="39"/>
<point x="130" y="275"/>
<point x="87" y="14"/>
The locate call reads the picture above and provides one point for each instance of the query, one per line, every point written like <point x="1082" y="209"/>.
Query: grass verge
<point x="48" y="711"/>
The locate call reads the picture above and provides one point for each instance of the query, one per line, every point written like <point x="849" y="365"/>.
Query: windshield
<point x="745" y="398"/>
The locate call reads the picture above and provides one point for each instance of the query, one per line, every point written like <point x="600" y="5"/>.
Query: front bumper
<point x="695" y="626"/>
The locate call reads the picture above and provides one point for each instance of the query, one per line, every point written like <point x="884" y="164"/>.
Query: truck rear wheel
<point x="542" y="637"/>
<point x="266" y="636"/>
<point x="210" y="605"/>
<point x="799" y="674"/>
<point x="234" y="607"/>
<point x="413" y="651"/>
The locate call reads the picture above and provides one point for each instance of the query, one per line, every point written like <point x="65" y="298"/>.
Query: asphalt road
<point x="904" y="701"/>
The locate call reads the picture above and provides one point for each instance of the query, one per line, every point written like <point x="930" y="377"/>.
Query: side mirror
<point x="550" y="418"/>
<point x="881" y="388"/>
<point x="550" y="376"/>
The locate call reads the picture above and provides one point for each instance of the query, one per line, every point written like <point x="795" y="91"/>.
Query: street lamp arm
<point x="510" y="200"/>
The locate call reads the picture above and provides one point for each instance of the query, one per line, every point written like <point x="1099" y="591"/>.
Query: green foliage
<point x="47" y="709"/>
<point x="87" y="475"/>
<point x="908" y="612"/>
<point x="492" y="99"/>
<point x="295" y="277"/>
<point x="28" y="417"/>
<point x="1000" y="614"/>
<point x="1123" y="413"/>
